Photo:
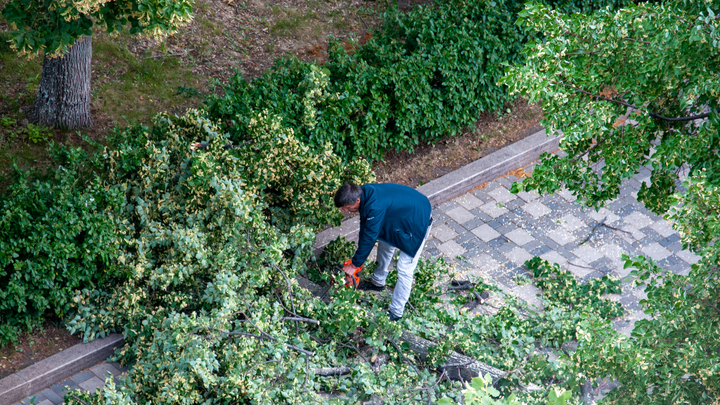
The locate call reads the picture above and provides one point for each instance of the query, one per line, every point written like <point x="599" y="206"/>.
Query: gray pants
<point x="405" y="267"/>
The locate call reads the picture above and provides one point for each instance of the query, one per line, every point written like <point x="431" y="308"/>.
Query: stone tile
<point x="509" y="227"/>
<point x="548" y="242"/>
<point x="469" y="201"/>
<point x="624" y="210"/>
<point x="539" y="251"/>
<point x="612" y="252"/>
<point x="102" y="370"/>
<point x="519" y="236"/>
<point x="45" y="402"/>
<point x="483" y="196"/>
<point x="485" y="262"/>
<point x="431" y="243"/>
<point x="494" y="224"/>
<point x="465" y="237"/>
<point x="579" y="269"/>
<point x="52" y="396"/>
<point x="518" y="256"/>
<point x="34" y="399"/>
<point x="688" y="256"/>
<point x="91" y="385"/>
<point x="64" y="387"/>
<point x="501" y="195"/>
<point x="507" y="181"/>
<point x="493" y="210"/>
<point x="481" y="215"/>
<point x="536" y="209"/>
<point x="118" y="366"/>
<point x="497" y="242"/>
<point x="486" y="233"/>
<point x="638" y="220"/>
<point x="443" y="232"/>
<point x="587" y="253"/>
<point x="455" y="226"/>
<point x="490" y="186"/>
<point x="634" y="233"/>
<point x="533" y="244"/>
<point x="448" y="206"/>
<point x="82" y="376"/>
<point x="662" y="228"/>
<point x="451" y="249"/>
<point x="571" y="222"/>
<point x="673" y="238"/>
<point x="554" y="257"/>
<point x="528" y="196"/>
<point x="530" y="294"/>
<point x="433" y="252"/>
<point x="566" y="194"/>
<point x="460" y="215"/>
<point x="506" y="247"/>
<point x="514" y="204"/>
<point x="472" y="251"/>
<point x="673" y="247"/>
<point x="561" y="236"/>
<point x="655" y="251"/>
<point x="473" y="223"/>
<point x="651" y="235"/>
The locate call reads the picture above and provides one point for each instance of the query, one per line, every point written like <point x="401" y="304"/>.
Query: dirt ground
<point x="35" y="347"/>
<point x="134" y="78"/>
<point x="490" y="133"/>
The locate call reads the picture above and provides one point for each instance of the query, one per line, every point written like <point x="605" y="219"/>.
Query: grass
<point x="125" y="88"/>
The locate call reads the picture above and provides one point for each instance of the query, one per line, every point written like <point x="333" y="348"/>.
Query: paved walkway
<point x="490" y="233"/>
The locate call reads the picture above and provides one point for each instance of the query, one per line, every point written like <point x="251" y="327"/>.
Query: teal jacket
<point x="395" y="214"/>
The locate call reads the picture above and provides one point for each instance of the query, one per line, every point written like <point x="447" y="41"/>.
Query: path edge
<point x="57" y="367"/>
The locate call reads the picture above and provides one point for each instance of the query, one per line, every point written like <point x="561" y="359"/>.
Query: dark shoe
<point x="392" y="317"/>
<point x="367" y="285"/>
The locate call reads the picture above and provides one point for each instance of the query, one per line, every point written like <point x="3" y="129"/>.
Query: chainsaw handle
<point x="353" y="280"/>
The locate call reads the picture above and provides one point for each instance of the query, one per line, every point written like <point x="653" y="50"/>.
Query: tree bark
<point x="63" y="98"/>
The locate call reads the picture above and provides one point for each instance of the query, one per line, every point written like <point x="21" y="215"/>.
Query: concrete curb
<point x="481" y="171"/>
<point x="58" y="367"/>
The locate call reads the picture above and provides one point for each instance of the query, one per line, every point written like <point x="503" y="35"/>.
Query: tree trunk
<point x="63" y="97"/>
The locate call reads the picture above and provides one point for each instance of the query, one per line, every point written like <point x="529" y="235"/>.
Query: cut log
<point x="458" y="366"/>
<point x="332" y="371"/>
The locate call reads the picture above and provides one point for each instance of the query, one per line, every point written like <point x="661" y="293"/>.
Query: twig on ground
<point x="170" y="54"/>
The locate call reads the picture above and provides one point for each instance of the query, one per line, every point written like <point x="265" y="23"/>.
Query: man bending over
<point x="396" y="216"/>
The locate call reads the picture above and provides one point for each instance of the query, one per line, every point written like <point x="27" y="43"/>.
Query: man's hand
<point x="349" y="269"/>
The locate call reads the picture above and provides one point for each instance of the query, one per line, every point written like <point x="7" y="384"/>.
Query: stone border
<point x="458" y="182"/>
<point x="57" y="367"/>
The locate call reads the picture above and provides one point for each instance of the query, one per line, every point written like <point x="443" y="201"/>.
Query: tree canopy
<point x="636" y="88"/>
<point x="53" y="26"/>
<point x="631" y="88"/>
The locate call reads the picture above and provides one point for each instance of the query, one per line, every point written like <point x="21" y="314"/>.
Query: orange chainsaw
<point x="352" y="280"/>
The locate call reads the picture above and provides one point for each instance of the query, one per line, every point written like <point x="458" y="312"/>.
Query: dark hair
<point x="347" y="194"/>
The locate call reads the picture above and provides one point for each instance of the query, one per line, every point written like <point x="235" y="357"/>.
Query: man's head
<point x="347" y="198"/>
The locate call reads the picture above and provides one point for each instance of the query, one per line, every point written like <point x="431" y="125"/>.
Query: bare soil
<point x="490" y="133"/>
<point x="36" y="346"/>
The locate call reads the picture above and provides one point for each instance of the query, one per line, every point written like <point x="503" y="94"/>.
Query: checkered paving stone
<point x="502" y="230"/>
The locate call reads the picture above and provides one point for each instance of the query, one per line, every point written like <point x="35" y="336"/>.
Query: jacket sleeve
<point x="368" y="235"/>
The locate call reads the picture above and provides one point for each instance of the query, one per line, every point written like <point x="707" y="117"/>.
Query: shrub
<point x="426" y="75"/>
<point x="57" y="235"/>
